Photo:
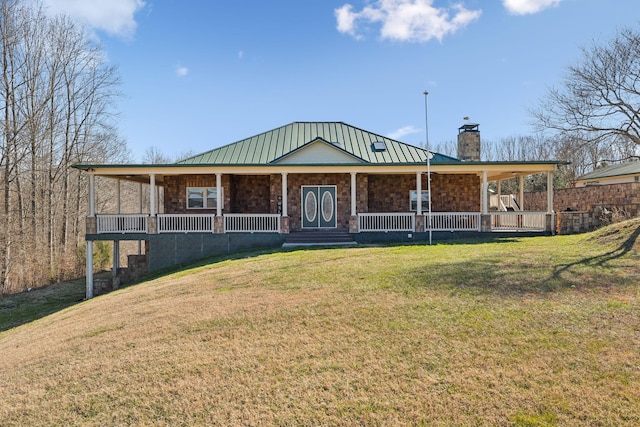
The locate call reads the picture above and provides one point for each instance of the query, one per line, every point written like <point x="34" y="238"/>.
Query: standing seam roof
<point x="265" y="148"/>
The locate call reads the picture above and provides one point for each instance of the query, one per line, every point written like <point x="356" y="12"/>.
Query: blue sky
<point x="198" y="74"/>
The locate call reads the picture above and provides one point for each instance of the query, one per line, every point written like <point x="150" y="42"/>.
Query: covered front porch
<point x="358" y="201"/>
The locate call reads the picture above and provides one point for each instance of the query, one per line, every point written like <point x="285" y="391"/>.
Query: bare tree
<point x="153" y="155"/>
<point x="57" y="103"/>
<point x="599" y="100"/>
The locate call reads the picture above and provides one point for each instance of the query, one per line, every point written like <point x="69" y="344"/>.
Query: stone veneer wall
<point x="451" y="193"/>
<point x="250" y="194"/>
<point x="622" y="196"/>
<point x="454" y="193"/>
<point x="175" y="192"/>
<point x="343" y="196"/>
<point x="583" y="208"/>
<point x="374" y="193"/>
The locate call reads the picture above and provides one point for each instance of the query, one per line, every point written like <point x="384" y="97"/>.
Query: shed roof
<point x="272" y="146"/>
<point x="629" y="168"/>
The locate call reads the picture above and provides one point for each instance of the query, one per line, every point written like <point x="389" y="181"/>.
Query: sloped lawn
<point x="526" y="332"/>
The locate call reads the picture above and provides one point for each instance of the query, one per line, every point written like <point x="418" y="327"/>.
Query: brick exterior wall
<point x="374" y="193"/>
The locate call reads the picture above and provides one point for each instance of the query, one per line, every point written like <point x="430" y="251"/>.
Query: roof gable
<point x="318" y="151"/>
<point x="275" y="146"/>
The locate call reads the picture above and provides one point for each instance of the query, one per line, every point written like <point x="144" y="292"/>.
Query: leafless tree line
<point x="57" y="95"/>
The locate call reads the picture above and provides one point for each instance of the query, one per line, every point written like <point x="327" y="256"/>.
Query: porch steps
<point x="318" y="238"/>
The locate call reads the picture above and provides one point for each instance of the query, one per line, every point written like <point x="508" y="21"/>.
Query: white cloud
<point x="241" y="54"/>
<point x="403" y="131"/>
<point x="182" y="71"/>
<point x="406" y="20"/>
<point x="115" y="17"/>
<point x="524" y="7"/>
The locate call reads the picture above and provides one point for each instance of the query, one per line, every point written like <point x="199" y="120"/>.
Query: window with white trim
<point x="413" y="199"/>
<point x="202" y="197"/>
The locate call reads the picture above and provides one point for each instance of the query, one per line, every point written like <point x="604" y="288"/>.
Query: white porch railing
<point x="122" y="223"/>
<point x="394" y="221"/>
<point x="518" y="221"/>
<point x="185" y="223"/>
<point x="453" y="221"/>
<point x="251" y="223"/>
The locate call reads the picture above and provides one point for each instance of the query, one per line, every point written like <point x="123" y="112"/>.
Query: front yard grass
<point x="524" y="331"/>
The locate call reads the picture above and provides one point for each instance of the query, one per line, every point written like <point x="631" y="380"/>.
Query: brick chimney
<point x="469" y="142"/>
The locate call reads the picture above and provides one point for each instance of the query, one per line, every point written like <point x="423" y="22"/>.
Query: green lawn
<point x="525" y="332"/>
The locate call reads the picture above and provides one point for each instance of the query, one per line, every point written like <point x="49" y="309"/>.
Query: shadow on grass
<point x="514" y="276"/>
<point x="25" y="307"/>
<point x="600" y="260"/>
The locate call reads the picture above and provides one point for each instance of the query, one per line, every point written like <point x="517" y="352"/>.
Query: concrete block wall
<point x="167" y="250"/>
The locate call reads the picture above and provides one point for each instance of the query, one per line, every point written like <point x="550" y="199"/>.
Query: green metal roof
<point x="272" y="146"/>
<point x="630" y="168"/>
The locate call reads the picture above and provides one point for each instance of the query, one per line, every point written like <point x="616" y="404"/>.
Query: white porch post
<point x="152" y="194"/>
<point x="549" y="192"/>
<point x="89" y="267"/>
<point x="92" y="195"/>
<point x="419" y="193"/>
<point x="116" y="243"/>
<point x="89" y="245"/>
<point x="218" y="194"/>
<point x="483" y="196"/>
<point x="353" y="194"/>
<point x="118" y="195"/>
<point x="499" y="185"/>
<point x="285" y="209"/>
<point x="521" y="189"/>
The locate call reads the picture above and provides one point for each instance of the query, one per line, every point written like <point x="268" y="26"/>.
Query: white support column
<point x="116" y="257"/>
<point x="419" y="193"/>
<point x="118" y="195"/>
<point x="89" y="270"/>
<point x="152" y="194"/>
<point x="92" y="195"/>
<point x="521" y="189"/>
<point x="354" y="208"/>
<point x="484" y="188"/>
<point x="218" y="194"/>
<point x="549" y="192"/>
<point x="116" y="243"/>
<point x="499" y="185"/>
<point x="285" y="206"/>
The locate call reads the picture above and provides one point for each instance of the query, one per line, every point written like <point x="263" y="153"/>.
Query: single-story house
<point x="311" y="182"/>
<point x="613" y="174"/>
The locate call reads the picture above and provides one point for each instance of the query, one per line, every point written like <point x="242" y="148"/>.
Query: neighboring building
<point x="340" y="182"/>
<point x="614" y="174"/>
